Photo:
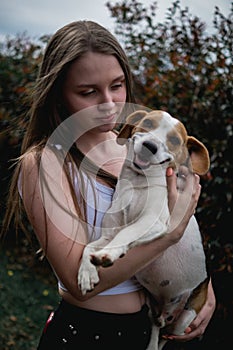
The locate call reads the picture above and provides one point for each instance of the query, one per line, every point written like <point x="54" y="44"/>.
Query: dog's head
<point x="159" y="139"/>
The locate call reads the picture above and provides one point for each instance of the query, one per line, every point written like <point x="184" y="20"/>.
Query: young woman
<point x="85" y="73"/>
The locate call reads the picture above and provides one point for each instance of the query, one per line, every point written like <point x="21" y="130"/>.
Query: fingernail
<point x="188" y="330"/>
<point x="170" y="337"/>
<point x="169" y="171"/>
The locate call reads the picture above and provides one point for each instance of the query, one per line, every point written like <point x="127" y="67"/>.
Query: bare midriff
<point x="117" y="303"/>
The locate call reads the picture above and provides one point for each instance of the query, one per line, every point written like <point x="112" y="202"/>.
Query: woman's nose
<point x="106" y="101"/>
<point x="107" y="106"/>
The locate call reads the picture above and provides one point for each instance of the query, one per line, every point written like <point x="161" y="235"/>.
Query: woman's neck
<point x="103" y="150"/>
<point x="92" y="140"/>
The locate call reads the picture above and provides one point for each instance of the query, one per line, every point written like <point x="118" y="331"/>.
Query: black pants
<point x="73" y="328"/>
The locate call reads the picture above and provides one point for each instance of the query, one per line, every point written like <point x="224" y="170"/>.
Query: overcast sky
<point x="38" y="17"/>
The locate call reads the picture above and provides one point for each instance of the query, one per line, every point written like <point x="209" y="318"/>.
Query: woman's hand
<point x="198" y="326"/>
<point x="183" y="195"/>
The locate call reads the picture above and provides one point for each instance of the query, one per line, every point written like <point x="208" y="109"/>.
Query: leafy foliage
<point x="19" y="61"/>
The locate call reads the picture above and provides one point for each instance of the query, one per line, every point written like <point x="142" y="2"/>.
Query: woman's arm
<point x="62" y="235"/>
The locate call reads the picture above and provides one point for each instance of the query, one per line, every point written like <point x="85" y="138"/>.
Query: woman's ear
<point x="199" y="156"/>
<point x="131" y="121"/>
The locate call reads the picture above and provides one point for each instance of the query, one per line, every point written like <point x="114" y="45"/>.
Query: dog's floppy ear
<point x="199" y="156"/>
<point x="131" y="121"/>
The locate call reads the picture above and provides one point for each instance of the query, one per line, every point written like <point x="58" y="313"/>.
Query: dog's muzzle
<point x="142" y="159"/>
<point x="147" y="156"/>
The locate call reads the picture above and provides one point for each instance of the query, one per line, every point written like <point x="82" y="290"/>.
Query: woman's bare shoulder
<point x="33" y="158"/>
<point x="28" y="163"/>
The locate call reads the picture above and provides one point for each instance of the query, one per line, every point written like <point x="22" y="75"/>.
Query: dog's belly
<point x="179" y="269"/>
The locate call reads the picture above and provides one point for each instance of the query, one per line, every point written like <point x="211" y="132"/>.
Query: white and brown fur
<point x="177" y="280"/>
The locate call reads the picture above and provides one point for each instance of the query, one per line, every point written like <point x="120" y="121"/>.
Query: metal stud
<point x="73" y="330"/>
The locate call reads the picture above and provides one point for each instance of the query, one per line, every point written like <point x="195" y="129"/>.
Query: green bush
<point x="19" y="61"/>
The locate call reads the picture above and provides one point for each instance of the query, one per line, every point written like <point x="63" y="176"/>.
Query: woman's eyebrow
<point x="88" y="85"/>
<point x="121" y="77"/>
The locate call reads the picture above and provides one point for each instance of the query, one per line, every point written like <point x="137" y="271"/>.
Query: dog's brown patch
<point x="198" y="296"/>
<point x="146" y="124"/>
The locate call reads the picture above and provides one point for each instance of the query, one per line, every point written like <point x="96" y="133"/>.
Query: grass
<point x="28" y="293"/>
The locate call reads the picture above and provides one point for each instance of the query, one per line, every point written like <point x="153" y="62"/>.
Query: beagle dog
<point x="177" y="280"/>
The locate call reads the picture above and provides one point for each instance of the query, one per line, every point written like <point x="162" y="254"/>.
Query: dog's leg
<point x="193" y="306"/>
<point x="88" y="273"/>
<point x="154" y="339"/>
<point x="184" y="320"/>
<point x="140" y="232"/>
<point x="162" y="344"/>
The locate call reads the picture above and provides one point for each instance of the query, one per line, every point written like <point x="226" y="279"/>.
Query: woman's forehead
<point x="92" y="66"/>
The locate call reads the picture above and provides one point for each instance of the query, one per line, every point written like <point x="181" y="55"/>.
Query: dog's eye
<point x="147" y="123"/>
<point x="175" y="141"/>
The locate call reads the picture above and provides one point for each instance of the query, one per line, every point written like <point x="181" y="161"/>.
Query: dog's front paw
<point x="106" y="257"/>
<point x="87" y="277"/>
<point x="101" y="260"/>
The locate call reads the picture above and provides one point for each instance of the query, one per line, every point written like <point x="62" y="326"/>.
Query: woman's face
<point x="97" y="82"/>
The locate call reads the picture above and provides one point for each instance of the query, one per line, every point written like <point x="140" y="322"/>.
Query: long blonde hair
<point x="66" y="45"/>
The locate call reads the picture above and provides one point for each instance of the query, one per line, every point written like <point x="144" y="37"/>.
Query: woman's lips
<point x="108" y="118"/>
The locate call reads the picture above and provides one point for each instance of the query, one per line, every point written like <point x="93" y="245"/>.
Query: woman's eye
<point x="116" y="86"/>
<point x="88" y="92"/>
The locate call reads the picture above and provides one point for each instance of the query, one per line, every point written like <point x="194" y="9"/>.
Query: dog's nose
<point x="149" y="146"/>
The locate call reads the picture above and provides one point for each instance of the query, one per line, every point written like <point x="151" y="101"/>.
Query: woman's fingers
<point x="182" y="197"/>
<point x="198" y="326"/>
<point x="171" y="188"/>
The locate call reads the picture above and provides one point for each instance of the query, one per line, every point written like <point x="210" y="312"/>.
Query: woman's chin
<point x="106" y="127"/>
